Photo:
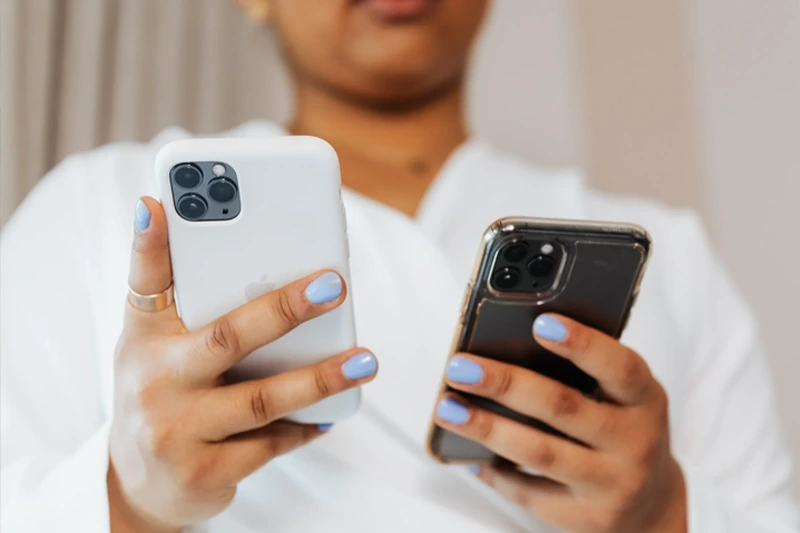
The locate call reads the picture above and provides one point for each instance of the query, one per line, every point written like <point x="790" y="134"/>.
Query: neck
<point x="429" y="130"/>
<point x="391" y="155"/>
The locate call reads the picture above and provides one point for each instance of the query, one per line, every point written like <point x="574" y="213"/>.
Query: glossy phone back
<point x="291" y="224"/>
<point x="597" y="285"/>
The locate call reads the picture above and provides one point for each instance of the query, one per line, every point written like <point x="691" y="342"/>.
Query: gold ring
<point x="151" y="303"/>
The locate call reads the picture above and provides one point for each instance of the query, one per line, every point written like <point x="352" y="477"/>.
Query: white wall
<point x="530" y="46"/>
<point x="747" y="81"/>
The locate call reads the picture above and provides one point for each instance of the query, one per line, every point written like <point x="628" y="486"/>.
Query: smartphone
<point x="588" y="271"/>
<point x="246" y="216"/>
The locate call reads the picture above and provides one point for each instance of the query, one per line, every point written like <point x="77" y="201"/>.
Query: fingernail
<point x="141" y="216"/>
<point x="325" y="288"/>
<point x="475" y="469"/>
<point x="463" y="370"/>
<point x="451" y="411"/>
<point x="360" y="366"/>
<point x="325" y="427"/>
<point x="550" y="328"/>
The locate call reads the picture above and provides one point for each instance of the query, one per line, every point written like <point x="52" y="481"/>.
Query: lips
<point x="394" y="10"/>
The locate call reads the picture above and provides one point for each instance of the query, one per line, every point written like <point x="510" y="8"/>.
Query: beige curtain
<point x="79" y="73"/>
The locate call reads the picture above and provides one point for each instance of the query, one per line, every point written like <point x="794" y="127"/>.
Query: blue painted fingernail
<point x="451" y="411"/>
<point x="360" y="366"/>
<point x="550" y="328"/>
<point x="463" y="370"/>
<point x="475" y="469"/>
<point x="325" y="427"/>
<point x="141" y="216"/>
<point x="325" y="288"/>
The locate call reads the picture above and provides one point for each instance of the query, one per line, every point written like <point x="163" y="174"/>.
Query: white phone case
<point x="291" y="224"/>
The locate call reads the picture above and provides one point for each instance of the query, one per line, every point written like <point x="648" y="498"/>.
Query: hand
<point x="621" y="479"/>
<point x="181" y="439"/>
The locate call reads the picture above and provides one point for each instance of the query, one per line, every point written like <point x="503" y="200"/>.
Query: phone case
<point x="291" y="223"/>
<point x="599" y="281"/>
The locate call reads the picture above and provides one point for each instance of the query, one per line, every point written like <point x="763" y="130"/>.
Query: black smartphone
<point x="588" y="271"/>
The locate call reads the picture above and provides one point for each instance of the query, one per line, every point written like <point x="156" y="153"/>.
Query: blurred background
<point x="692" y="102"/>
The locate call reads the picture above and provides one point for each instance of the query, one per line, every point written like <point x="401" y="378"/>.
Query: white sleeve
<point x="727" y="435"/>
<point x="53" y="432"/>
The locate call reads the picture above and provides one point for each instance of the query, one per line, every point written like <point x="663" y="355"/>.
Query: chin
<point x="419" y="71"/>
<point x="386" y="52"/>
<point x="395" y="99"/>
<point x="401" y="67"/>
<point x="392" y="88"/>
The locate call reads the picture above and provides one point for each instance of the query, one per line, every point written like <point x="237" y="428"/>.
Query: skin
<point x="389" y="96"/>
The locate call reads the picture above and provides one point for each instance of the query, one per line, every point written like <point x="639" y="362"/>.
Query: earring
<point x="259" y="11"/>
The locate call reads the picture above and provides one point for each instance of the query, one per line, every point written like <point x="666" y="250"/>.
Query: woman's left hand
<point x="623" y="479"/>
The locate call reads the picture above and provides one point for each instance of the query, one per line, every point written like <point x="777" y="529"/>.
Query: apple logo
<point x="258" y="288"/>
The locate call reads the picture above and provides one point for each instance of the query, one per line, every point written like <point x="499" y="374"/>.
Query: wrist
<point x="123" y="518"/>
<point x="674" y="517"/>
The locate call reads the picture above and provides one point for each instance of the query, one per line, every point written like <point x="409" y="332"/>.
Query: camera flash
<point x="547" y="249"/>
<point x="218" y="169"/>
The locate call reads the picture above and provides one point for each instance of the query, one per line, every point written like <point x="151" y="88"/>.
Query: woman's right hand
<point x="182" y="439"/>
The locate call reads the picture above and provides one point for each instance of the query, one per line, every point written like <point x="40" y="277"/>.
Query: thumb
<point x="150" y="268"/>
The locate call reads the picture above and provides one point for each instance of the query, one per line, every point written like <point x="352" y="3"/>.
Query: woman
<point x="118" y="420"/>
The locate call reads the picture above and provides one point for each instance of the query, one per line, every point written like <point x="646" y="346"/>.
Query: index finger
<point x="622" y="373"/>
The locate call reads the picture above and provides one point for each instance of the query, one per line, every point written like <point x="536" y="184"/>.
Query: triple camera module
<point x="527" y="266"/>
<point x="205" y="191"/>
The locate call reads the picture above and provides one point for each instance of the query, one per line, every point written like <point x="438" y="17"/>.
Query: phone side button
<point x="465" y="303"/>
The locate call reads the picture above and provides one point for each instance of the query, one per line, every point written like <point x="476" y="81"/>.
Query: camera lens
<point x="541" y="266"/>
<point x="187" y="176"/>
<point x="222" y="190"/>
<point x="192" y="207"/>
<point x="506" y="278"/>
<point x="515" y="252"/>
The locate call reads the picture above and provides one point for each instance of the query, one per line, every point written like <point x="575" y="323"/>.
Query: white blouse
<point x="64" y="269"/>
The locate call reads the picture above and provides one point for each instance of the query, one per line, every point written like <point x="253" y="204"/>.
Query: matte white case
<point x="291" y="224"/>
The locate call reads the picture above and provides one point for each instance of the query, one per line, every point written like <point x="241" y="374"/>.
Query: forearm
<point x="674" y="518"/>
